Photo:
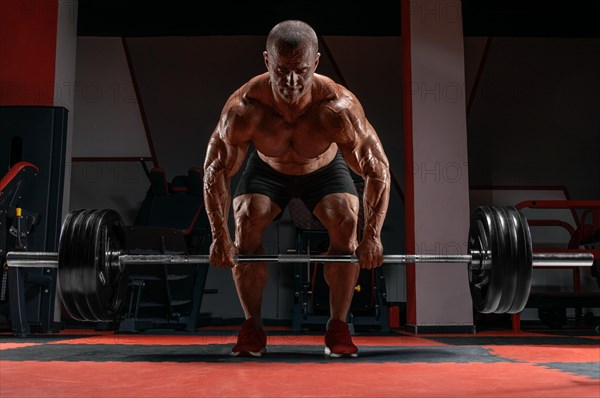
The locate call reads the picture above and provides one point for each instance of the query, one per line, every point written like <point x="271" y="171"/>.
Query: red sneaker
<point x="338" y="342"/>
<point x="251" y="341"/>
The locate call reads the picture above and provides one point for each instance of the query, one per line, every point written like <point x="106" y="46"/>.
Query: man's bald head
<point x="292" y="35"/>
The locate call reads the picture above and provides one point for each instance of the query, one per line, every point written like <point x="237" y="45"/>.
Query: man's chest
<point x="306" y="135"/>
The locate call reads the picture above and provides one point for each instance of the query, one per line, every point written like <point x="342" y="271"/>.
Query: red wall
<point x="27" y="51"/>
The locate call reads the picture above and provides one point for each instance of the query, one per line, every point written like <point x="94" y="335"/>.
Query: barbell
<point x="92" y="261"/>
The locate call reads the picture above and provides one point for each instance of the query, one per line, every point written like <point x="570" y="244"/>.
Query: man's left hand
<point x="370" y="253"/>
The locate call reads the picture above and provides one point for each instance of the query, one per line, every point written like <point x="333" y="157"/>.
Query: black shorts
<point x="259" y="177"/>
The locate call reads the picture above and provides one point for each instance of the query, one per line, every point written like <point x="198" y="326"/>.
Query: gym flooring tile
<point x="539" y="354"/>
<point x="292" y="339"/>
<point x="220" y="353"/>
<point x="77" y="363"/>
<point x="514" y="340"/>
<point x="7" y="346"/>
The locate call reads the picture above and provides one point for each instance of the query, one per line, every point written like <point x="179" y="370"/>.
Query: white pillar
<point x="437" y="202"/>
<point x="64" y="79"/>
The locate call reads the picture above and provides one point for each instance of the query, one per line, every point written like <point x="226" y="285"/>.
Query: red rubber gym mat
<point x="77" y="363"/>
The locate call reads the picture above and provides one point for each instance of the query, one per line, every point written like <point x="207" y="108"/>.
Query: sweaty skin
<point x="297" y="120"/>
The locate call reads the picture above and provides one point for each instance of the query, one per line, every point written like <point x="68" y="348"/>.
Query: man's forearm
<point x="217" y="199"/>
<point x="375" y="201"/>
<point x="222" y="161"/>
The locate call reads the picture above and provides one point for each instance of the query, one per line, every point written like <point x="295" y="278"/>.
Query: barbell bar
<point x="549" y="259"/>
<point x="92" y="261"/>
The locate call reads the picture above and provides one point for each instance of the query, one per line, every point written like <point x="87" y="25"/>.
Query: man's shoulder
<point x="340" y="105"/>
<point x="256" y="88"/>
<point x="251" y="93"/>
<point x="326" y="88"/>
<point x="334" y="95"/>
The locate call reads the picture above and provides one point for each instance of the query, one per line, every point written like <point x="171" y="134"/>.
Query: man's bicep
<point x="364" y="153"/>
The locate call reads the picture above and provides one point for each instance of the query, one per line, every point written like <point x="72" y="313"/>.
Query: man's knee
<point x="339" y="214"/>
<point x="248" y="238"/>
<point x="338" y="209"/>
<point x="342" y="235"/>
<point x="252" y="214"/>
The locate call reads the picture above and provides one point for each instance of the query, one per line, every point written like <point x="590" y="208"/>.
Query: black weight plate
<point x="478" y="277"/>
<point x="109" y="284"/>
<point x="524" y="261"/>
<point x="70" y="285"/>
<point x="485" y="283"/>
<point x="79" y="262"/>
<point x="64" y="274"/>
<point x="73" y="279"/>
<point x="118" y="284"/>
<point x="91" y="293"/>
<point x="87" y="264"/>
<point x="507" y="256"/>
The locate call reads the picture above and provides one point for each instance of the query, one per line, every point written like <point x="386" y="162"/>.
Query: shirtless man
<point x="306" y="130"/>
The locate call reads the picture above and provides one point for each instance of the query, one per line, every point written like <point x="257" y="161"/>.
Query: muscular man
<point x="306" y="130"/>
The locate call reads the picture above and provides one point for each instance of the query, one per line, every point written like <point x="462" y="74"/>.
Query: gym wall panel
<point x="534" y="120"/>
<point x="184" y="83"/>
<point x="108" y="121"/>
<point x="474" y="60"/>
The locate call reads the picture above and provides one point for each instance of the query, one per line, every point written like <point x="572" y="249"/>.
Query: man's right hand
<point x="222" y="253"/>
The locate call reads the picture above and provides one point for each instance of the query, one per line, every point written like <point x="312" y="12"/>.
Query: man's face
<point x="291" y="72"/>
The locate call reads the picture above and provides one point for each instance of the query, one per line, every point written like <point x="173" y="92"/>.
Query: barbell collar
<point x="32" y="259"/>
<point x="549" y="259"/>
